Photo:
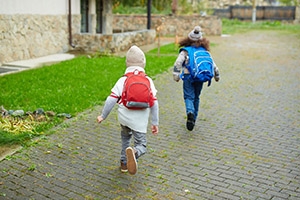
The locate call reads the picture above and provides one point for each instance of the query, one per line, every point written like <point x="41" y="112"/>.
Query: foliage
<point x="157" y="7"/>
<point x="185" y="7"/>
<point x="158" y="4"/>
<point x="129" y="10"/>
<point x="290" y="2"/>
<point x="15" y="125"/>
<point x="140" y="7"/>
<point x="68" y="87"/>
<point x="14" y="130"/>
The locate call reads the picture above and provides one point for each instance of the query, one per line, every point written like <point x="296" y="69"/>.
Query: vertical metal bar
<point x="70" y="25"/>
<point x="87" y="15"/>
<point x="149" y="14"/>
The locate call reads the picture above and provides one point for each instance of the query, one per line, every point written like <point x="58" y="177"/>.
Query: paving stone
<point x="245" y="144"/>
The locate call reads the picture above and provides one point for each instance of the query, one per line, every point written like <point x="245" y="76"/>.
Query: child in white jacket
<point x="133" y="122"/>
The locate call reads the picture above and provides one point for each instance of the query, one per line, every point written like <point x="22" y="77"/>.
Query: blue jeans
<point x="191" y="95"/>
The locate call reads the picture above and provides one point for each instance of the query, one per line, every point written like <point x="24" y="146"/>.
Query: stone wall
<point x="30" y="36"/>
<point x="131" y="29"/>
<point x="169" y="25"/>
<point x="25" y="36"/>
<point x="117" y="42"/>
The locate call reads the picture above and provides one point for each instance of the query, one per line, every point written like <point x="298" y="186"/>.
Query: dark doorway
<point x="99" y="13"/>
<point x="84" y="11"/>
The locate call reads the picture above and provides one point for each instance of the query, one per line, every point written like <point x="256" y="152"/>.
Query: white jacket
<point x="134" y="119"/>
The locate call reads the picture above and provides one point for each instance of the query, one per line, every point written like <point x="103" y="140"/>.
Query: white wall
<point x="39" y="7"/>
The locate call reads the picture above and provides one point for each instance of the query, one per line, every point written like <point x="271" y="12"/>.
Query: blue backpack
<point x="200" y="64"/>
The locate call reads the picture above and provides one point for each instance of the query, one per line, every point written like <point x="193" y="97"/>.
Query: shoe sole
<point x="124" y="170"/>
<point x="131" y="161"/>
<point x="190" y="122"/>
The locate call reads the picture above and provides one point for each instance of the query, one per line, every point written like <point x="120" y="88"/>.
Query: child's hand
<point x="99" y="119"/>
<point x="217" y="74"/>
<point x="176" y="77"/>
<point x="217" y="78"/>
<point x="154" y="129"/>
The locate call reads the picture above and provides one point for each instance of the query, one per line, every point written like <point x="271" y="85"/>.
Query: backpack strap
<point x="191" y="60"/>
<point x="135" y="72"/>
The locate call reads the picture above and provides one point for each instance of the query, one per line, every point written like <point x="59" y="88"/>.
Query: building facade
<point x="35" y="28"/>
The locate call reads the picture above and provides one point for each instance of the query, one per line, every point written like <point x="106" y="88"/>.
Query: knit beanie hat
<point x="135" y="57"/>
<point x="195" y="34"/>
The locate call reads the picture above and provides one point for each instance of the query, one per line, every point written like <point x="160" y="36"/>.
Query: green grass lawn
<point x="76" y="85"/>
<point x="237" y="26"/>
<point x="69" y="87"/>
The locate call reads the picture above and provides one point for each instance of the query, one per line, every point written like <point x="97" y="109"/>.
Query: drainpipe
<point x="149" y="14"/>
<point x="70" y="25"/>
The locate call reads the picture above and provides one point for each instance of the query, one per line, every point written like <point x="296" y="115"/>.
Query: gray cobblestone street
<point x="245" y="145"/>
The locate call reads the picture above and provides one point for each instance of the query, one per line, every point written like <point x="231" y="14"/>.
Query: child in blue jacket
<point x="191" y="89"/>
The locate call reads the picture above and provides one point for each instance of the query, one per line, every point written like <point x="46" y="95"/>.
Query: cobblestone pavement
<point x="246" y="143"/>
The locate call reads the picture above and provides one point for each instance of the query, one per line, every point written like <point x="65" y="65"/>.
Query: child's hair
<point x="201" y="42"/>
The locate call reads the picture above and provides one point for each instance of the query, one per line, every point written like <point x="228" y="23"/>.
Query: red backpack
<point x="137" y="92"/>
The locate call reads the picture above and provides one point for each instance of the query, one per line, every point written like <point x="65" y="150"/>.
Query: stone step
<point x="21" y="65"/>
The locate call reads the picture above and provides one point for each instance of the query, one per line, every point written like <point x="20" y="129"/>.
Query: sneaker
<point x="190" y="122"/>
<point x="131" y="161"/>
<point x="123" y="167"/>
